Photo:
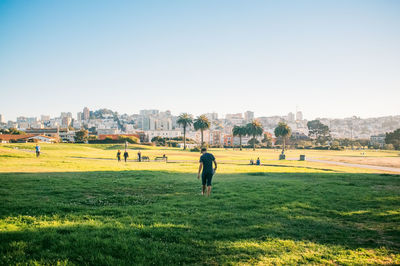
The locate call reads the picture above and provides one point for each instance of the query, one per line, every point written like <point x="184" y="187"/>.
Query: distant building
<point x="66" y="135"/>
<point x="299" y="136"/>
<point x="86" y="113"/>
<point x="41" y="138"/>
<point x="212" y="116"/>
<point x="299" y="116"/>
<point x="7" y="138"/>
<point x="377" y="140"/>
<point x="163" y="133"/>
<point x="66" y="114"/>
<point x="107" y="131"/>
<point x="149" y="112"/>
<point x="215" y="137"/>
<point x="44" y="118"/>
<point x="290" y="117"/>
<point x="66" y="121"/>
<point x="1" y="118"/>
<point x="234" y="116"/>
<point x="49" y="132"/>
<point x="79" y="116"/>
<point x="249" y="116"/>
<point x="228" y="140"/>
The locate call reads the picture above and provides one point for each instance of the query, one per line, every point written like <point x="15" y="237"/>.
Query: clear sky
<point x="329" y="58"/>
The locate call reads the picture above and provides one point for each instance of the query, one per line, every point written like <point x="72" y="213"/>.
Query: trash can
<point x="302" y="157"/>
<point x="282" y="156"/>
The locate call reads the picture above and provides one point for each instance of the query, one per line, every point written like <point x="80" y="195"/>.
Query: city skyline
<point x="220" y="115"/>
<point x="153" y="122"/>
<point x="332" y="59"/>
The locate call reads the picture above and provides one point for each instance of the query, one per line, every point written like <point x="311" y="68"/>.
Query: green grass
<point x="66" y="210"/>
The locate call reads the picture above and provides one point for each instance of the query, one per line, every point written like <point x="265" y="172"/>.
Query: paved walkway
<point x="375" y="167"/>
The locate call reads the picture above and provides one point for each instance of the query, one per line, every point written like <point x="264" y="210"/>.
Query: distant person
<point x="126" y="155"/>
<point x="37" y="149"/>
<point x="258" y="162"/>
<point x="119" y="155"/>
<point x="139" y="155"/>
<point x="206" y="164"/>
<point x="165" y="158"/>
<point x="251" y="162"/>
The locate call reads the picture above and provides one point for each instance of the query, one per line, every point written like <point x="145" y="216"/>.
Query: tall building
<point x="234" y="116"/>
<point x="66" y="114"/>
<point x="212" y="116"/>
<point x="66" y="121"/>
<point x="299" y="116"/>
<point x="86" y="113"/>
<point x="1" y="118"/>
<point x="44" y="118"/>
<point x="290" y="117"/>
<point x="149" y="112"/>
<point x="79" y="116"/>
<point x="249" y="116"/>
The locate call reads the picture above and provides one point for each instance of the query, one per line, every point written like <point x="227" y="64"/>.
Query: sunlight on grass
<point x="76" y="204"/>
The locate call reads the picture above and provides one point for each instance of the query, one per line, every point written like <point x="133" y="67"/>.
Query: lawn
<point x="77" y="205"/>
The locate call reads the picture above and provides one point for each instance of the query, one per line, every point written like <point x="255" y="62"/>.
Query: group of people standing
<point x="207" y="168"/>
<point x="126" y="156"/>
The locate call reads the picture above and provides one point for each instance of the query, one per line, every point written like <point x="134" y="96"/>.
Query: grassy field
<point x="77" y="205"/>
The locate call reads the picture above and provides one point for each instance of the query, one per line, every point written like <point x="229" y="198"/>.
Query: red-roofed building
<point x="7" y="138"/>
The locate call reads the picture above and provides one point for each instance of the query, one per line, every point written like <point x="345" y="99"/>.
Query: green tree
<point x="267" y="140"/>
<point x="393" y="138"/>
<point x="92" y="137"/>
<point x="253" y="141"/>
<point x="388" y="146"/>
<point x="160" y="141"/>
<point x="185" y="120"/>
<point x="254" y="129"/>
<point x="283" y="131"/>
<point x="129" y="139"/>
<point x="239" y="131"/>
<point x="318" y="131"/>
<point x="12" y="131"/>
<point x="201" y="123"/>
<point x="81" y="135"/>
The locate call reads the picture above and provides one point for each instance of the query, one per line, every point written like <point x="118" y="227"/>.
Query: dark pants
<point x="206" y="178"/>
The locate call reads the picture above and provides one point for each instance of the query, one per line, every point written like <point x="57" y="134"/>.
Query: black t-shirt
<point x="207" y="160"/>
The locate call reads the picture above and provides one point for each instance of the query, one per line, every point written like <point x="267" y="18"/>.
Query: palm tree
<point x="239" y="131"/>
<point x="254" y="129"/>
<point x="283" y="131"/>
<point x="185" y="120"/>
<point x="201" y="123"/>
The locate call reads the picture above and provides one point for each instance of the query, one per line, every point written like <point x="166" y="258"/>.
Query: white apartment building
<point x="163" y="133"/>
<point x="107" y="131"/>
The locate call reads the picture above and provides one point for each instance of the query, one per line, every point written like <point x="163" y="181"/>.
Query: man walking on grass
<point x="206" y="163"/>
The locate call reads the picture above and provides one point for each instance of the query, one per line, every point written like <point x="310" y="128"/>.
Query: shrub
<point x="129" y="139"/>
<point x="195" y="149"/>
<point x="388" y="147"/>
<point x="322" y="147"/>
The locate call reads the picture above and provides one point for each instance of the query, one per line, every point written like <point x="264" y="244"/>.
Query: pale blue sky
<point x="330" y="58"/>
